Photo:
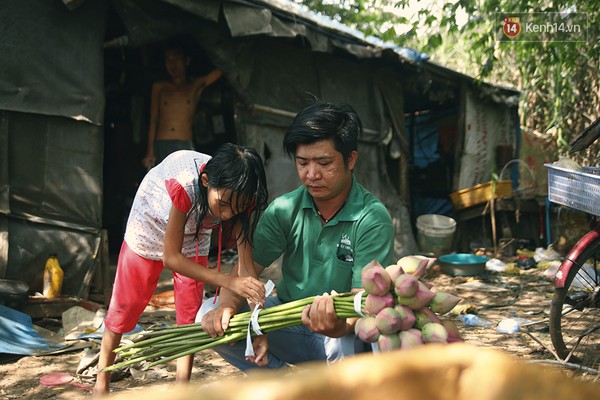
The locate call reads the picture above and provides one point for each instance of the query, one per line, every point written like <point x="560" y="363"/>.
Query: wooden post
<point x="105" y="272"/>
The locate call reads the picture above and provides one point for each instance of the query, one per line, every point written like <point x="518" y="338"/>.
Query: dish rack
<point x="575" y="189"/>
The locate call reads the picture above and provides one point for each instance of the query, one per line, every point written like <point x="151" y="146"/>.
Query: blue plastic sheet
<point x="18" y="336"/>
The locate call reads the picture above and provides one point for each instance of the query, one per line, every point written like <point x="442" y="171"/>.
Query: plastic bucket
<point x="435" y="233"/>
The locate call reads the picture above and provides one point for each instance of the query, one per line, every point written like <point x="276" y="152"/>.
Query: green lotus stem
<point x="174" y="341"/>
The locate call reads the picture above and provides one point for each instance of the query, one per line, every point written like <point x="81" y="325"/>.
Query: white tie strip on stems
<point x="253" y="323"/>
<point x="358" y="302"/>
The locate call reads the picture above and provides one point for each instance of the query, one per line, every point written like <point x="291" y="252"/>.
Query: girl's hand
<point x="248" y="287"/>
<point x="260" y="346"/>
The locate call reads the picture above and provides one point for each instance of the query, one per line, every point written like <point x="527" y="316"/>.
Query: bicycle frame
<point x="565" y="266"/>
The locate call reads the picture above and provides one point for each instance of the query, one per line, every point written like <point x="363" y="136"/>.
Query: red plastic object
<point x="56" y="379"/>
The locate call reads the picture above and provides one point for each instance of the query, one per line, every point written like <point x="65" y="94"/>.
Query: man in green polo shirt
<point x="326" y="231"/>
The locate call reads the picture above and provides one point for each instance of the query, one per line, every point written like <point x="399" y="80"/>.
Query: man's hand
<point x="250" y="288"/>
<point x="320" y="317"/>
<point x="216" y="321"/>
<point x="260" y="346"/>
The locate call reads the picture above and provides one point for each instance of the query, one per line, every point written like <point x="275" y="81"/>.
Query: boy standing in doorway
<point x="173" y="106"/>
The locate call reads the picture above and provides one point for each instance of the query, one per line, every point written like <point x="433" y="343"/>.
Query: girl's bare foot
<point x="100" y="390"/>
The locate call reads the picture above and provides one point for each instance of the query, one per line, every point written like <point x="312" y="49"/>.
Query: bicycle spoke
<point x="585" y="279"/>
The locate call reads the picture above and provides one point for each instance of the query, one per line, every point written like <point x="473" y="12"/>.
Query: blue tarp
<point x="425" y="138"/>
<point x="18" y="336"/>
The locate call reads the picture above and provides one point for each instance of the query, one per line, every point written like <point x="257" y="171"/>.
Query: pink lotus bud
<point x="443" y="302"/>
<point x="366" y="329"/>
<point x="407" y="316"/>
<point x="428" y="285"/>
<point x="434" y="333"/>
<point x="375" y="279"/>
<point x="388" y="342"/>
<point x="375" y="303"/>
<point x="410" y="338"/>
<point x="425" y="316"/>
<point x="424" y="264"/>
<point x="431" y="315"/>
<point x="409" y="263"/>
<point x="406" y="285"/>
<point x="421" y="319"/>
<point x="406" y="300"/>
<point x="388" y="320"/>
<point x="394" y="271"/>
<point x="416" y="265"/>
<point x="422" y="297"/>
<point x="453" y="333"/>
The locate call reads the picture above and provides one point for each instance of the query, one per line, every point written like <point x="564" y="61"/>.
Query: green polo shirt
<point x="316" y="258"/>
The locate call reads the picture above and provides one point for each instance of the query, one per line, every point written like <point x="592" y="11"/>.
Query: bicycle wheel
<point x="575" y="310"/>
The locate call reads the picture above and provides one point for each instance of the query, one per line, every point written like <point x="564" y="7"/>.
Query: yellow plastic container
<point x="53" y="278"/>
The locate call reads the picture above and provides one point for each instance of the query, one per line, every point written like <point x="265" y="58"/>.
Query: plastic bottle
<point x="53" y="277"/>
<point x="474" y="320"/>
<point x="511" y="325"/>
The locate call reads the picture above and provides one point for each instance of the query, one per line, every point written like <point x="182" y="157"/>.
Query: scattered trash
<point x="526" y="263"/>
<point x="474" y="320"/>
<point x="511" y="325"/>
<point x="548" y="254"/>
<point x="164" y="299"/>
<point x="481" y="287"/>
<point x="525" y="252"/>
<point x="154" y="373"/>
<point x="78" y="321"/>
<point x="62" y="378"/>
<point x="88" y="366"/>
<point x="55" y="379"/>
<point x="512" y="269"/>
<point x="463" y="308"/>
<point x="494" y="264"/>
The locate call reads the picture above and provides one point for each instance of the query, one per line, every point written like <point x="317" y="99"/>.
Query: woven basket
<point x="480" y="194"/>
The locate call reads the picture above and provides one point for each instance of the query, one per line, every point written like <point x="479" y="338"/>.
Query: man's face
<point x="322" y="171"/>
<point x="176" y="63"/>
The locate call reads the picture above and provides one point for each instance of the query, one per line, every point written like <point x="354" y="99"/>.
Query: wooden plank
<point x="42" y="307"/>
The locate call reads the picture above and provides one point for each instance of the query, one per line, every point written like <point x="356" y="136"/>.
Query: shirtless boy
<point x="173" y="107"/>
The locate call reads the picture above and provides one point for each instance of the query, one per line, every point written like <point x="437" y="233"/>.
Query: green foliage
<point x="560" y="81"/>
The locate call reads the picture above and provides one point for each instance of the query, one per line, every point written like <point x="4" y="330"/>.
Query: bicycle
<point x="575" y="308"/>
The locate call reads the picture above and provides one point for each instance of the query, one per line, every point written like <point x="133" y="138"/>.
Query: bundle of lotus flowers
<point x="397" y="309"/>
<point x="166" y="344"/>
<point x="401" y="309"/>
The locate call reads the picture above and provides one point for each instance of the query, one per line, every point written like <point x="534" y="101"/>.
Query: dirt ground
<point x="495" y="296"/>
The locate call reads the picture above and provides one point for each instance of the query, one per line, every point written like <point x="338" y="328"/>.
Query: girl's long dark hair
<point x="240" y="169"/>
